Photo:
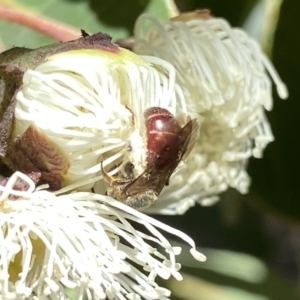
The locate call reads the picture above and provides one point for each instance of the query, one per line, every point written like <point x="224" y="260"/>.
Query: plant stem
<point x="57" y="30"/>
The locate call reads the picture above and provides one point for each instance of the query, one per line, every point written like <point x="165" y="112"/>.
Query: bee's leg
<point x="110" y="179"/>
<point x="106" y="176"/>
<point x="132" y="116"/>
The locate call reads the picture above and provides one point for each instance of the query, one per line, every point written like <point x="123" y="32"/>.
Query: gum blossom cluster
<point x="70" y="109"/>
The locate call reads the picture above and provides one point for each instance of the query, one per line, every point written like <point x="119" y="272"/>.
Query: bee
<point x="167" y="145"/>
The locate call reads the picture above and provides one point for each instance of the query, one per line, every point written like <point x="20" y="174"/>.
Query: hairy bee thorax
<point x="118" y="189"/>
<point x="142" y="200"/>
<point x="139" y="201"/>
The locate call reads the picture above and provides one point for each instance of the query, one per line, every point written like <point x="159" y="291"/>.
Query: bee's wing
<point x="154" y="178"/>
<point x="150" y="179"/>
<point x="194" y="128"/>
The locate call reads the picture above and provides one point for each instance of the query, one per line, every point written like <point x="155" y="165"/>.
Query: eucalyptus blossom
<point x="79" y="106"/>
<point x="227" y="81"/>
<point x="82" y="242"/>
<point x="71" y="111"/>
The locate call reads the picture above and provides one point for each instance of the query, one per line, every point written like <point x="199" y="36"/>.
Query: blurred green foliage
<point x="114" y="17"/>
<point x="276" y="178"/>
<point x="229" y="275"/>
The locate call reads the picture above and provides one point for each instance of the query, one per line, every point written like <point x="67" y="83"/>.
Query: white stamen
<point x="226" y="78"/>
<point x="7" y="190"/>
<point x="83" y="101"/>
<point x="86" y="242"/>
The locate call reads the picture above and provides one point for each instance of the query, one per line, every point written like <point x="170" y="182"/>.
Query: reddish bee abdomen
<point x="161" y="132"/>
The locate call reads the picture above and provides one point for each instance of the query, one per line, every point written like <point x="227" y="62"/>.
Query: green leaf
<point x="229" y="275"/>
<point x="114" y="17"/>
